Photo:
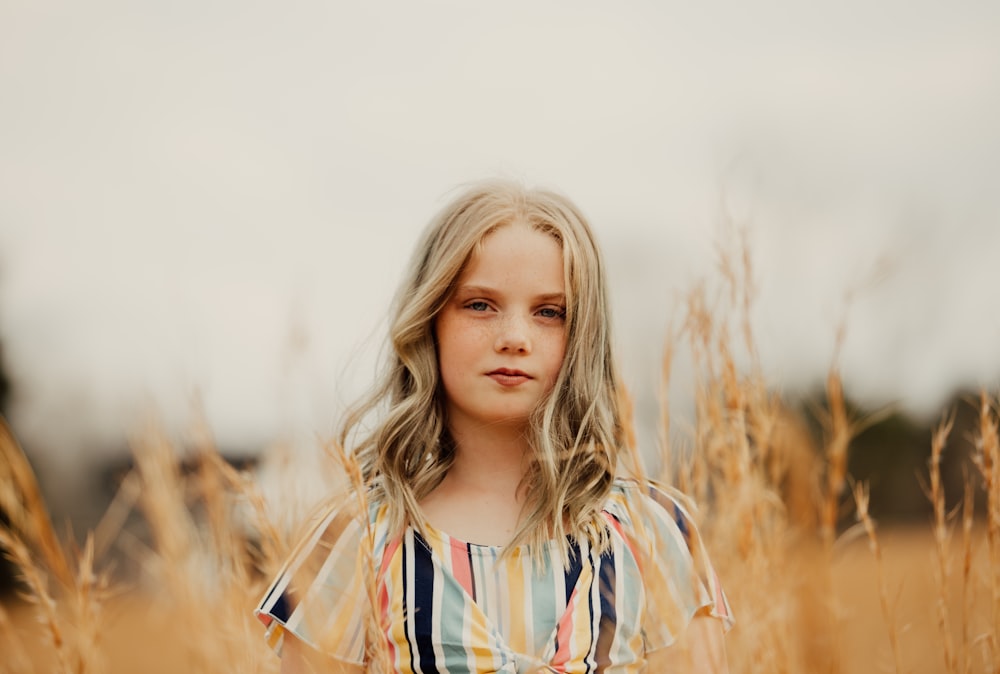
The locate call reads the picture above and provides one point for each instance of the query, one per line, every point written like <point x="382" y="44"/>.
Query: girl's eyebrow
<point x="483" y="290"/>
<point x="553" y="297"/>
<point x="475" y="290"/>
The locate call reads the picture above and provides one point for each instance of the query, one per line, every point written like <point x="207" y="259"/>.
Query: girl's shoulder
<point x="637" y="504"/>
<point x="657" y="525"/>
<point x="319" y="595"/>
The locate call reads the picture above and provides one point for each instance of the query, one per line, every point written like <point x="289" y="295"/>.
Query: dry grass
<point x="807" y="598"/>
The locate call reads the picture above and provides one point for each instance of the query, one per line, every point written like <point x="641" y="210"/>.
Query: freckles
<point x="469" y="335"/>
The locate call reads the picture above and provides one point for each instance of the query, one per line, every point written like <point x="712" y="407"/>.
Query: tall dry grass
<point x="772" y="504"/>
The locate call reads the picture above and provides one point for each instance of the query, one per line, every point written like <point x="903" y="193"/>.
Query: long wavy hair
<point x="576" y="432"/>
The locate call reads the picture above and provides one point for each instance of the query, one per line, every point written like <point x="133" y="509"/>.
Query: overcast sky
<point x="210" y="203"/>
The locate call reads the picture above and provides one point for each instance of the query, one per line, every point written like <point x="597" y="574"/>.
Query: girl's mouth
<point x="508" y="377"/>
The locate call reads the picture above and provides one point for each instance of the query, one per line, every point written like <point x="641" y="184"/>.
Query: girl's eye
<point x="478" y="305"/>
<point x="552" y="312"/>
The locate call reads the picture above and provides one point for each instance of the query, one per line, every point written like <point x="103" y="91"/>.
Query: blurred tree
<point x="891" y="452"/>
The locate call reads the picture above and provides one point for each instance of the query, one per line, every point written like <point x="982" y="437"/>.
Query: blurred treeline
<point x="889" y="451"/>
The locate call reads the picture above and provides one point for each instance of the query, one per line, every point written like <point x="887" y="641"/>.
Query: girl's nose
<point x="512" y="335"/>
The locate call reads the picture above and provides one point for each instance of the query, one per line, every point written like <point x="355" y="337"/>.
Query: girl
<point x="504" y="530"/>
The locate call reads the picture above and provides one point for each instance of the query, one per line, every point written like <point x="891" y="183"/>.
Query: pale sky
<point x="213" y="201"/>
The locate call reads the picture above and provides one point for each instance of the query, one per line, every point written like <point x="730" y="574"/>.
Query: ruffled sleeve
<point x="676" y="574"/>
<point x="320" y="595"/>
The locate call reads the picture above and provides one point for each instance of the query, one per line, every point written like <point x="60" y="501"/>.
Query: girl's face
<point x="502" y="335"/>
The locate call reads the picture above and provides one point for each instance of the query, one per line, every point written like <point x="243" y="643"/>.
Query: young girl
<point x="504" y="531"/>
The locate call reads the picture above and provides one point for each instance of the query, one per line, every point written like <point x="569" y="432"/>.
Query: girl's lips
<point x="506" y="377"/>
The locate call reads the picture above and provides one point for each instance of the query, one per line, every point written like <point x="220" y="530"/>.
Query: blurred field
<point x="909" y="566"/>
<point x="815" y="585"/>
<point x="142" y="635"/>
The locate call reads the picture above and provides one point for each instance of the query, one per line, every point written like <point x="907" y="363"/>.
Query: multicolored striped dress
<point x="445" y="605"/>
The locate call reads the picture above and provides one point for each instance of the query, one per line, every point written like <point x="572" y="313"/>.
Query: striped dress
<point x="445" y="605"/>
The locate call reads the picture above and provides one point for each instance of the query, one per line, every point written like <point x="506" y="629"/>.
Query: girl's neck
<point x="479" y="500"/>
<point x="492" y="458"/>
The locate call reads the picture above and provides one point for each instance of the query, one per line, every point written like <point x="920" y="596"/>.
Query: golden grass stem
<point x="942" y="538"/>
<point x="110" y="525"/>
<point x="968" y="514"/>
<point x="46" y="608"/>
<point x="839" y="433"/>
<point x="21" y="500"/>
<point x="988" y="461"/>
<point x="861" y="497"/>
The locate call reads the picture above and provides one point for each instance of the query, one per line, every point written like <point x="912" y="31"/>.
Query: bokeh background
<point x="205" y="206"/>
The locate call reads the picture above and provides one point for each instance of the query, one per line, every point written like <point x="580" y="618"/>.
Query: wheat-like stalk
<point x="861" y="497"/>
<point x="987" y="459"/>
<point x="968" y="515"/>
<point x="736" y="470"/>
<point x="46" y="608"/>
<point x="839" y="433"/>
<point x="70" y="607"/>
<point x="21" y="500"/>
<point x="942" y="539"/>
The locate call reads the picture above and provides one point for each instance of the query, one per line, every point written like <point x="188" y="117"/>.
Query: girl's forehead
<point x="517" y="236"/>
<point x="514" y="250"/>
<point x="517" y="229"/>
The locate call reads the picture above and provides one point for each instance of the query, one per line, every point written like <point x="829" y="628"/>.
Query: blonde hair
<point x="576" y="432"/>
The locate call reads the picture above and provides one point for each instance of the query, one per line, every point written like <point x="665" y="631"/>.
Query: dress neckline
<point x="479" y="548"/>
<point x="618" y="486"/>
